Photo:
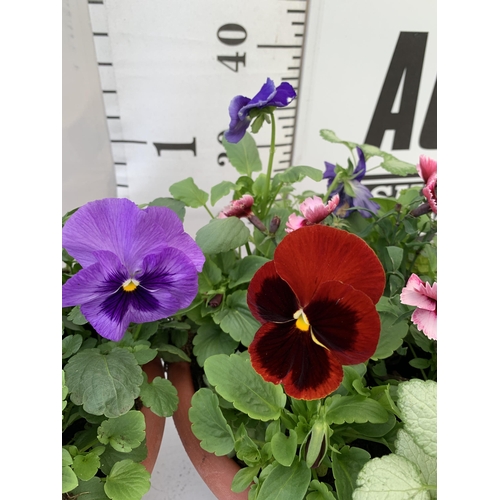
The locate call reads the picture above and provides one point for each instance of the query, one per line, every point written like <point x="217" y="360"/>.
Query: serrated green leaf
<point x="392" y="478"/>
<point x="346" y="466"/>
<point x="417" y="400"/>
<point x="71" y="344"/>
<point x="284" y="483"/>
<point x="110" y="456"/>
<point x="210" y="340"/>
<point x="359" y="409"/>
<point x="90" y="490"/>
<point x="320" y="491"/>
<point x="284" y="448"/>
<point x="209" y="277"/>
<point x="123" y="433"/>
<point x="86" y="466"/>
<point x="236" y="381"/>
<point x="243" y="155"/>
<point x="236" y="319"/>
<point x="159" y="395"/>
<point x="127" y="481"/>
<point x="220" y="190"/>
<point x="104" y="383"/>
<point x="209" y="424"/>
<point x="331" y="136"/>
<point x="189" y="193"/>
<point x="246" y="449"/>
<point x="222" y="235"/>
<point x="69" y="479"/>
<point x="297" y="173"/>
<point x="76" y="316"/>
<point x="177" y="206"/>
<point x="143" y="354"/>
<point x="243" y="478"/>
<point x="407" y="448"/>
<point x="245" y="269"/>
<point x="171" y="353"/>
<point x="392" y="333"/>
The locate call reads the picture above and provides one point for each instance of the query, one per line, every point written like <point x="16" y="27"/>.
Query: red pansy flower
<point x="316" y="302"/>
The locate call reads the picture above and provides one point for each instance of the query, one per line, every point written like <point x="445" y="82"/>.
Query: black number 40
<point x="232" y="34"/>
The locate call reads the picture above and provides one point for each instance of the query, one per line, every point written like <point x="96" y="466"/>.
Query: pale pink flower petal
<point x="426" y="322"/>
<point x="315" y="211"/>
<point x="424" y="297"/>
<point x="295" y="222"/>
<point x="426" y="167"/>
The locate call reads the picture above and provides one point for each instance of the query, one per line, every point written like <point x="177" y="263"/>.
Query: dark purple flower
<point x="240" y="107"/>
<point x="138" y="264"/>
<point x="349" y="188"/>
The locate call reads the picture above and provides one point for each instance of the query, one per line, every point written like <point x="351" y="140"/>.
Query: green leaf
<point x="296" y="174"/>
<point x="245" y="269"/>
<point x="76" y="316"/>
<point x="349" y="409"/>
<point x="246" y="449"/>
<point x="123" y="433"/>
<point x="67" y="459"/>
<point x="376" y="430"/>
<point x="243" y="478"/>
<point x="392" y="478"/>
<point x="171" y="353"/>
<point x="346" y="466"/>
<point x="417" y="400"/>
<point x="176" y="205"/>
<point x="159" y="395"/>
<point x="284" y="448"/>
<point x="69" y="479"/>
<point x="127" y="481"/>
<point x="210" y="340"/>
<point x="209" y="424"/>
<point x="143" y="354"/>
<point x="70" y="345"/>
<point x="110" y="457"/>
<point x="209" y="277"/>
<point x="395" y="257"/>
<point x="331" y="136"/>
<point x="244" y="155"/>
<point x="236" y="319"/>
<point x="220" y="190"/>
<point x="236" y="381"/>
<point x="284" y="483"/>
<point x="90" y="490"/>
<point x="407" y="448"/>
<point x="104" y="383"/>
<point x="86" y="466"/>
<point x="392" y="333"/>
<point x="397" y="167"/>
<point x="221" y="235"/>
<point x="189" y="193"/>
<point x="319" y="491"/>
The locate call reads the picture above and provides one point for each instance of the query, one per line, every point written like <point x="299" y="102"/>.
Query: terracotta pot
<point x="216" y="472"/>
<point x="155" y="425"/>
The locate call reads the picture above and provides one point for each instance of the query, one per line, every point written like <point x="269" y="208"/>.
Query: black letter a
<point x="407" y="61"/>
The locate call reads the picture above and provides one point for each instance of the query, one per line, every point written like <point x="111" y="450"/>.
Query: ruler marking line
<point x="264" y="46"/>
<point x="126" y="141"/>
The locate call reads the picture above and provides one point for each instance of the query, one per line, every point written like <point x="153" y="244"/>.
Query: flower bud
<point x="316" y="443"/>
<point x="274" y="224"/>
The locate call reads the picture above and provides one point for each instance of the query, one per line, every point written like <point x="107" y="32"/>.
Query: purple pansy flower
<point x="240" y="107"/>
<point x="138" y="264"/>
<point x="349" y="188"/>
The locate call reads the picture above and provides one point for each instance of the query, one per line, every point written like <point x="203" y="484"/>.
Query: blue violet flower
<point x="138" y="265"/>
<point x="349" y="188"/>
<point x="242" y="109"/>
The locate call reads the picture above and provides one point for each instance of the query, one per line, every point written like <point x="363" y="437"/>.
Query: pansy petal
<point x="314" y="254"/>
<point x="426" y="322"/>
<point x="175" y="236"/>
<point x="238" y="124"/>
<point x="345" y="321"/>
<point x="261" y="99"/>
<point x="285" y="94"/>
<point x="363" y="199"/>
<point x="281" y="353"/>
<point x="114" y="224"/>
<point x="360" y="169"/>
<point x="270" y="298"/>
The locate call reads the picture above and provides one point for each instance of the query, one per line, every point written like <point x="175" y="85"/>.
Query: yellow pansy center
<point x="302" y="322"/>
<point x="130" y="285"/>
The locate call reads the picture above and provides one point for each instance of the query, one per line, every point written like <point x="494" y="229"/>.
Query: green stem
<point x="264" y="207"/>
<point x="208" y="210"/>
<point x="247" y="246"/>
